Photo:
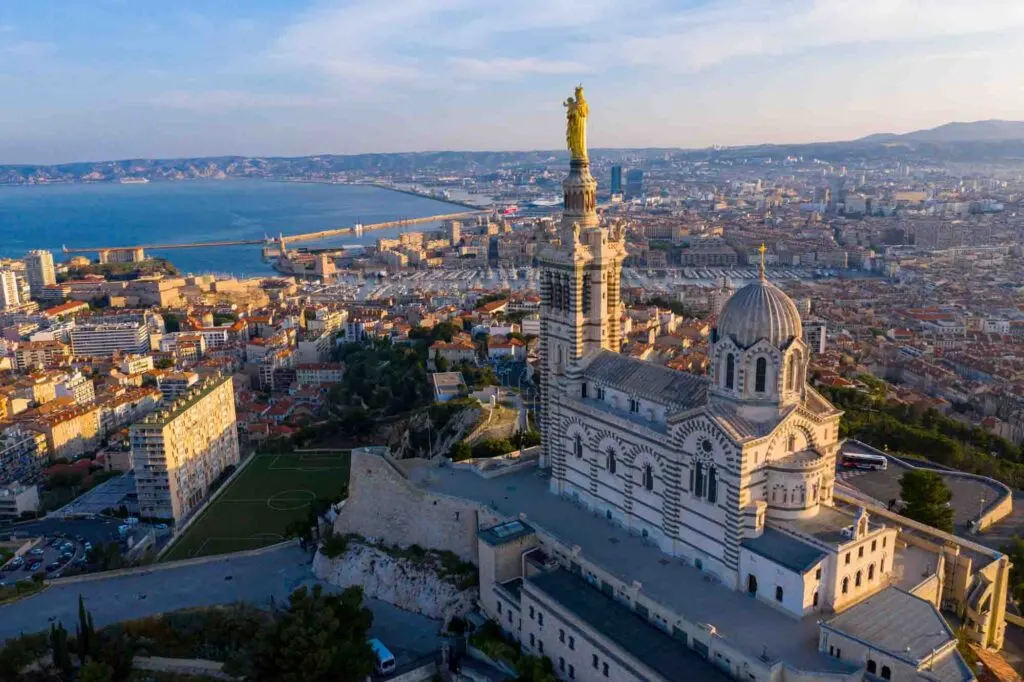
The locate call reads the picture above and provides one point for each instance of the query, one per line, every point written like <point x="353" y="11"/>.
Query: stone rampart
<point x="384" y="505"/>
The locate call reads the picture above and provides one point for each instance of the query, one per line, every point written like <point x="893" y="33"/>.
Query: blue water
<point x="52" y="216"/>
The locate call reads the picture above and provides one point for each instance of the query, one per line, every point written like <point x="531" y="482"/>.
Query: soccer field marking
<point x="323" y="464"/>
<point x="290" y="500"/>
<point x="248" y="539"/>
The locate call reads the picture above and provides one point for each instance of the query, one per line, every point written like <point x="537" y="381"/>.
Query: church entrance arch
<point x="751" y="584"/>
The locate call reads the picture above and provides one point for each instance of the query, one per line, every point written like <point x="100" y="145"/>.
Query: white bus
<point x="863" y="460"/>
<point x="385" y="660"/>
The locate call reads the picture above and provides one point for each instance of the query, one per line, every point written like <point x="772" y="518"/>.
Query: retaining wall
<point x="383" y="504"/>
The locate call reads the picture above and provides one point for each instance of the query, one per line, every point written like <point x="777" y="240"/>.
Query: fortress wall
<point x="384" y="505"/>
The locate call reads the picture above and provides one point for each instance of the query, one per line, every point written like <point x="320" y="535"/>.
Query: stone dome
<point x="759" y="311"/>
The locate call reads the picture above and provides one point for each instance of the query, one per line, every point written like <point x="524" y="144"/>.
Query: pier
<point x="112" y="252"/>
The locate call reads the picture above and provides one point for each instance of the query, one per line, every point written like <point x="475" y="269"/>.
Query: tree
<point x="460" y="451"/>
<point x="1015" y="551"/>
<point x="926" y="499"/>
<point x="19" y="652"/>
<point x="357" y="422"/>
<point x="85" y="636"/>
<point x="61" y="651"/>
<point x="96" y="671"/>
<point x="316" y="638"/>
<point x="441" y="364"/>
<point x="171" y="324"/>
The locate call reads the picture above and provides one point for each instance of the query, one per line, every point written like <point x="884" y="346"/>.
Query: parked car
<point x="35" y="566"/>
<point x="37" y="551"/>
<point x="17" y="562"/>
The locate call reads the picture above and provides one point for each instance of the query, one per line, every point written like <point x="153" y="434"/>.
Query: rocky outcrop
<point x="438" y="437"/>
<point x="416" y="585"/>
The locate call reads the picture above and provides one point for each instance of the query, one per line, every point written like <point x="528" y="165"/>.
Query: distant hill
<point x="974" y="131"/>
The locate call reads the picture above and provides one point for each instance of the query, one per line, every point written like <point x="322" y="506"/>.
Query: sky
<point x="109" y="79"/>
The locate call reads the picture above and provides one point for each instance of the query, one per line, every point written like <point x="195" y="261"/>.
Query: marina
<point x="382" y="285"/>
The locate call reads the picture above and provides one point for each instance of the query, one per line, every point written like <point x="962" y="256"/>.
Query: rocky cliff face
<point x="440" y="437"/>
<point x="410" y="585"/>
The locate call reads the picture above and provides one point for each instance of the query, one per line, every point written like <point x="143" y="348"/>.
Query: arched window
<point x="760" y="375"/>
<point x="730" y="370"/>
<point x="791" y="373"/>
<point x="648" y="477"/>
<point x="886" y="673"/>
<point x="846" y="585"/>
<point x="578" y="445"/>
<point x="698" y="484"/>
<point x="611" y="461"/>
<point x="881" y="566"/>
<point x="856" y="581"/>
<point x="815" y="602"/>
<point x="872" y="667"/>
<point x="712" y="485"/>
<point x="792" y="442"/>
<point x="871" y="572"/>
<point x="778" y="594"/>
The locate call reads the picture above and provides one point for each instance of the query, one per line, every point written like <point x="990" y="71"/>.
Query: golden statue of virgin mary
<point x="576" y="111"/>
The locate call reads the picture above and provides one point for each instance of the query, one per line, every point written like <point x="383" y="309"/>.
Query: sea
<point x="110" y="214"/>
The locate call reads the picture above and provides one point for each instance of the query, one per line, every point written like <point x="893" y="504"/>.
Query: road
<point x="252" y="579"/>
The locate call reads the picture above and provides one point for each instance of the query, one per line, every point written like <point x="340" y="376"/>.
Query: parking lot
<point x="52" y="555"/>
<point x="970" y="495"/>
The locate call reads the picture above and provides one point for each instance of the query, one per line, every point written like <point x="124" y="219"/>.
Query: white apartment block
<point x="180" y="450"/>
<point x="40" y="271"/>
<point x="10" y="296"/>
<point x="77" y="387"/>
<point x="106" y="339"/>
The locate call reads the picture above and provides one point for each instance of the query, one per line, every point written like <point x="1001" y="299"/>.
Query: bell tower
<point x="580" y="273"/>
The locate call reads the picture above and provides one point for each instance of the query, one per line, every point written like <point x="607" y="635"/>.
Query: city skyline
<point x="109" y="80"/>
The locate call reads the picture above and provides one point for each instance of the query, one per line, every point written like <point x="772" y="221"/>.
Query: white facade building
<point x="106" y="339"/>
<point x="40" y="271"/>
<point x="10" y="294"/>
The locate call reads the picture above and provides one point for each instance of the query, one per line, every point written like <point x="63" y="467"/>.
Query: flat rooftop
<point x="746" y="623"/>
<point x="626" y="629"/>
<point x="181" y="404"/>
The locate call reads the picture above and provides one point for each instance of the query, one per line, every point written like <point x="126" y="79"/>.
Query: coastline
<point x="390" y="188"/>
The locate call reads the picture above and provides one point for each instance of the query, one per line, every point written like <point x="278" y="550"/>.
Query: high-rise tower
<point x="40" y="271"/>
<point x="580" y="273"/>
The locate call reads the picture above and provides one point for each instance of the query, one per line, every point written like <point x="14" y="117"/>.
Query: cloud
<point x="225" y="100"/>
<point x="696" y="40"/>
<point x="419" y="42"/>
<point x="504" y="68"/>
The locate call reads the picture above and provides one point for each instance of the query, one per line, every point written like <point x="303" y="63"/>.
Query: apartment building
<point x="106" y="339"/>
<point x="22" y="454"/>
<point x="179" y="451"/>
<point x="40" y="272"/>
<point x="174" y="384"/>
<point x="77" y="387"/>
<point x="40" y="354"/>
<point x="69" y="432"/>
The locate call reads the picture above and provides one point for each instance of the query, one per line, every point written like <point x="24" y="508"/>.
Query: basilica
<point x="684" y="527"/>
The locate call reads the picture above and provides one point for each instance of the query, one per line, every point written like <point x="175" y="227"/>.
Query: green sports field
<point x="258" y="506"/>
